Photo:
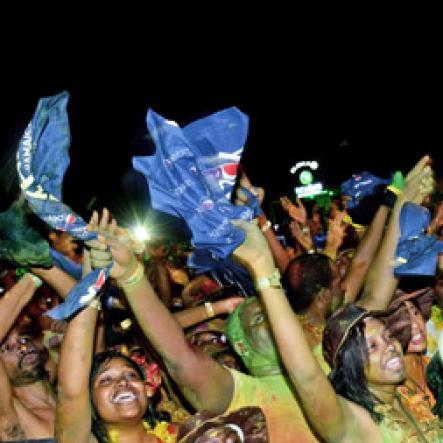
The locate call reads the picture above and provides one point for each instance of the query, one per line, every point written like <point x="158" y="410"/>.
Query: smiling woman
<point x="116" y="386"/>
<point x="116" y="406"/>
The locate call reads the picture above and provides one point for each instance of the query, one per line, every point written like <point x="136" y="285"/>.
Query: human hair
<point x="399" y="321"/>
<point x="98" y="427"/>
<point x="348" y="377"/>
<point x="399" y="324"/>
<point x="304" y="277"/>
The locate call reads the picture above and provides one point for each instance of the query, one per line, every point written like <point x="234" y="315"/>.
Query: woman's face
<point x="417" y="343"/>
<point x="385" y="360"/>
<point x="119" y="393"/>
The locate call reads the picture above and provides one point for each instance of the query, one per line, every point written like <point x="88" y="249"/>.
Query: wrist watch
<point x="272" y="281"/>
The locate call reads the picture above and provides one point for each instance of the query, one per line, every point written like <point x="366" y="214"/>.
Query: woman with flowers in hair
<point x="116" y="407"/>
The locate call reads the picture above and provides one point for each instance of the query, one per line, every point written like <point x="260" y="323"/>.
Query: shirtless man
<point x="27" y="400"/>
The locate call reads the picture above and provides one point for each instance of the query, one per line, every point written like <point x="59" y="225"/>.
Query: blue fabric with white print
<point x="252" y="202"/>
<point x="182" y="184"/>
<point x="361" y="185"/>
<point x="417" y="252"/>
<point x="66" y="264"/>
<point x="42" y="160"/>
<point x="217" y="142"/>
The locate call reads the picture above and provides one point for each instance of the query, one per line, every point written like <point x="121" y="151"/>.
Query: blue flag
<point x="217" y="142"/>
<point x="361" y="185"/>
<point x="66" y="264"/>
<point x="42" y="160"/>
<point x="417" y="252"/>
<point x="184" y="182"/>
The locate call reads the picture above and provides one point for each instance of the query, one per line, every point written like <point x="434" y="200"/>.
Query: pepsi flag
<point x="189" y="178"/>
<point x="417" y="252"/>
<point x="42" y="160"/>
<point x="217" y="142"/>
<point x="361" y="185"/>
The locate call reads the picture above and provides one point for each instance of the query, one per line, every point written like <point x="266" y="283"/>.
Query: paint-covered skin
<point x="385" y="358"/>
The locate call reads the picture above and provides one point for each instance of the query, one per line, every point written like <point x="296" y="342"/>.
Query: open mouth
<point x="395" y="363"/>
<point x="418" y="339"/>
<point x="124" y="397"/>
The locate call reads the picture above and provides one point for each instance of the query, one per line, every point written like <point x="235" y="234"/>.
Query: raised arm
<point x="381" y="282"/>
<point x="73" y="420"/>
<point x="246" y="193"/>
<point x="13" y="301"/>
<point x="355" y="277"/>
<point x="327" y="413"/>
<point x="59" y="280"/>
<point x="205" y="383"/>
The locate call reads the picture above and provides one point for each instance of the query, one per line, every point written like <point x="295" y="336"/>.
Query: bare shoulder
<point x="360" y="425"/>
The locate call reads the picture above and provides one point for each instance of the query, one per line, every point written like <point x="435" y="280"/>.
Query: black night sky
<point x="349" y="109"/>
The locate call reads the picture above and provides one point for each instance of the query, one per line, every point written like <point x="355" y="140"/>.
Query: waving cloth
<point x="417" y="252"/>
<point x="361" y="185"/>
<point x="188" y="178"/>
<point x="42" y="160"/>
<point x="20" y="244"/>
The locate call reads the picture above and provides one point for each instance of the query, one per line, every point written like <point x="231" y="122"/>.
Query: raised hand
<point x="296" y="212"/>
<point x="419" y="182"/>
<point x="254" y="252"/>
<point x="254" y="190"/>
<point x="109" y="246"/>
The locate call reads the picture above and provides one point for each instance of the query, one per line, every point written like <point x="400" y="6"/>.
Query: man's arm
<point x="13" y="301"/>
<point x="59" y="280"/>
<point x="366" y="250"/>
<point x="381" y="282"/>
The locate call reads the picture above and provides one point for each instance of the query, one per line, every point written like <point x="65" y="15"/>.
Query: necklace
<point x="411" y="420"/>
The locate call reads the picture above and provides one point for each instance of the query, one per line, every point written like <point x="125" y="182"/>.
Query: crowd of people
<point x="337" y="341"/>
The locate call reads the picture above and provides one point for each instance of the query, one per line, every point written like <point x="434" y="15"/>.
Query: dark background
<point x="351" y="104"/>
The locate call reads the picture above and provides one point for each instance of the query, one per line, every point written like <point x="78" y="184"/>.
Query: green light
<point x="306" y="177"/>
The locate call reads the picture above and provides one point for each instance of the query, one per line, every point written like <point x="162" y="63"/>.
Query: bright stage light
<point x="141" y="234"/>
